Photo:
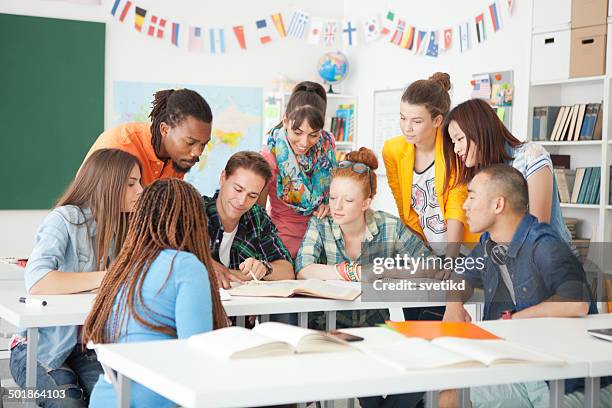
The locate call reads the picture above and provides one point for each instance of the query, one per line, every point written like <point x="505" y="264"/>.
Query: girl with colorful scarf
<point x="301" y="155"/>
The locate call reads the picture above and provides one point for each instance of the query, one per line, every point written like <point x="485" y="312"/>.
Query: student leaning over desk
<point x="474" y="137"/>
<point x="161" y="286"/>
<point x="301" y="154"/>
<point x="528" y="271"/>
<point x="72" y="249"/>
<point x="181" y="123"/>
<point x="417" y="173"/>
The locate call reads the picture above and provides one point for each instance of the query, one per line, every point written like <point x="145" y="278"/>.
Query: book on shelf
<point x="309" y="287"/>
<point x="265" y="340"/>
<point x="567" y="123"/>
<point x="415" y="353"/>
<point x="565" y="179"/>
<point x="343" y="124"/>
<point x="572" y="226"/>
<point x="561" y="161"/>
<point x="543" y="122"/>
<point x="577" y="184"/>
<point x="586" y="189"/>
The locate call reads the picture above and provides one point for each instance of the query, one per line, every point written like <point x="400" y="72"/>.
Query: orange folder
<point x="430" y="330"/>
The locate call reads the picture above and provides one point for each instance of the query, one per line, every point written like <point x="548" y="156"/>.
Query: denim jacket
<point x="65" y="241"/>
<point x="540" y="265"/>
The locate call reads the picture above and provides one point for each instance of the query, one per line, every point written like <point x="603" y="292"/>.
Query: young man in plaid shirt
<point x="244" y="242"/>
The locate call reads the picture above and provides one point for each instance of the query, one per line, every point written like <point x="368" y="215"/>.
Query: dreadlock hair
<point x="100" y="186"/>
<point x="168" y="215"/>
<point x="172" y="107"/>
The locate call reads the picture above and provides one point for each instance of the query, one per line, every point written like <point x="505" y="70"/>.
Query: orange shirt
<point x="135" y="138"/>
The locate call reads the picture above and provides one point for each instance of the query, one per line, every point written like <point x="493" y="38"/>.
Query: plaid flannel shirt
<point x="257" y="237"/>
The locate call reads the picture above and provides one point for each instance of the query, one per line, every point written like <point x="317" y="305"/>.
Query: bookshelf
<point x="275" y="103"/>
<point x="596" y="219"/>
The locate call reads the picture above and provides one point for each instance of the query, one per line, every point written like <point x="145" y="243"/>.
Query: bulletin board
<point x="497" y="88"/>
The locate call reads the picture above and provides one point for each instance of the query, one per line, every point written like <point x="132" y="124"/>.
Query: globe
<point x="333" y="68"/>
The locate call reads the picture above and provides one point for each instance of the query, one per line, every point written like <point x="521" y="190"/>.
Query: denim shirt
<point x="525" y="161"/>
<point x="65" y="241"/>
<point x="540" y="265"/>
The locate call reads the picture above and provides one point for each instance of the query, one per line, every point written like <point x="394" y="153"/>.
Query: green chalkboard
<point x="51" y="105"/>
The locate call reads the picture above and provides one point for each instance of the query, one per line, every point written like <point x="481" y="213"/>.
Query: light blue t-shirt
<point x="65" y="241"/>
<point x="183" y="303"/>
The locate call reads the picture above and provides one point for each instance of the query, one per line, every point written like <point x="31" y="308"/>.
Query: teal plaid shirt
<point x="257" y="237"/>
<point x="385" y="236"/>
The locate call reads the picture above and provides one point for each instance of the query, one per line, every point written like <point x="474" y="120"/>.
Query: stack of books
<point x="567" y="123"/>
<point x="571" y="224"/>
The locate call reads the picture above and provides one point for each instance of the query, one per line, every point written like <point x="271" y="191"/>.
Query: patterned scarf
<point x="303" y="180"/>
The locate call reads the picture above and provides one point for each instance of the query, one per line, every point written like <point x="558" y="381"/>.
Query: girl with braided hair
<point x="74" y="245"/>
<point x="161" y="286"/>
<point x="181" y="123"/>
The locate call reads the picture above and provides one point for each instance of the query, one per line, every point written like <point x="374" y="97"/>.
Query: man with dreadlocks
<point x="181" y="123"/>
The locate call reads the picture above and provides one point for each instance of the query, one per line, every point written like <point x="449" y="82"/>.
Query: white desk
<point x="194" y="379"/>
<point x="10" y="272"/>
<point x="569" y="340"/>
<point x="72" y="310"/>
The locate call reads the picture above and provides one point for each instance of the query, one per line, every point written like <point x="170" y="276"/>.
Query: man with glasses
<point x="529" y="271"/>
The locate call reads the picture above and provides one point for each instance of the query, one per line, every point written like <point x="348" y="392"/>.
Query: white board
<point x="386" y="120"/>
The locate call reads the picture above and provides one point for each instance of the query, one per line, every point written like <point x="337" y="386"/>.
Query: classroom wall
<point x="381" y="65"/>
<point x="132" y="57"/>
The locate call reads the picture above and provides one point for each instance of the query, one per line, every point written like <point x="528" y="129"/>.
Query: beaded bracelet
<point x="342" y="270"/>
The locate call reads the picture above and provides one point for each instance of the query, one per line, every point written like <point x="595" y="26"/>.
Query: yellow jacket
<point x="398" y="156"/>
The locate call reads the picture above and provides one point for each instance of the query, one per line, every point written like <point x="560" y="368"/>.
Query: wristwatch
<point x="268" y="267"/>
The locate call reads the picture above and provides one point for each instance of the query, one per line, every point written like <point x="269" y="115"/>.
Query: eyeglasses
<point x="358" y="168"/>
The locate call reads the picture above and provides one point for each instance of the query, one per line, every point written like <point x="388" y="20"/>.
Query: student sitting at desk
<point x="332" y="246"/>
<point x="70" y="255"/>
<point x="244" y="242"/>
<point x="529" y="271"/>
<point x="161" y="285"/>
<point x="181" y="123"/>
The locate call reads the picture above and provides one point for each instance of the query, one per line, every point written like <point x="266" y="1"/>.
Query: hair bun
<point x="365" y="156"/>
<point x="443" y="79"/>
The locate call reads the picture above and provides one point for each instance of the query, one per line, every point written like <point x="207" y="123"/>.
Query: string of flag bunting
<point x="315" y="30"/>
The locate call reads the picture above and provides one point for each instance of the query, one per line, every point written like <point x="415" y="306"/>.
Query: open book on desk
<point x="264" y="340"/>
<point x="414" y="353"/>
<point x="310" y="287"/>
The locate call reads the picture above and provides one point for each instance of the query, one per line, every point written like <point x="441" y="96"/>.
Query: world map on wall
<point x="237" y="122"/>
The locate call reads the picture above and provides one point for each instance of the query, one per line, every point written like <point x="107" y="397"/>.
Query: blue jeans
<point x="77" y="376"/>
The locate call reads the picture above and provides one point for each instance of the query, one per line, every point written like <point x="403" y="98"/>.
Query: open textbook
<point x="413" y="353"/>
<point x="310" y="287"/>
<point x="264" y="340"/>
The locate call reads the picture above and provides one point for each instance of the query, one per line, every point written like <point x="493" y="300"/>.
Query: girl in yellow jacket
<point x="416" y="171"/>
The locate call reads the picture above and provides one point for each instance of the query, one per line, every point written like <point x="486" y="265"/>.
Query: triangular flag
<point x="464" y="37"/>
<point x="408" y="38"/>
<point x="139" y="17"/>
<point x="388" y="23"/>
<point x="277" y="19"/>
<point x="396" y="38"/>
<point x="175" y="34"/>
<point x="124" y="9"/>
<point x="263" y="32"/>
<point x="217" y="41"/>
<point x="297" y="26"/>
<point x="196" y="39"/>
<point x="448" y="38"/>
<point x="239" y="33"/>
<point x="495" y="18"/>
<point x="156" y="27"/>
<point x="371" y="29"/>
<point x="329" y="35"/>
<point x="349" y="33"/>
<point x="480" y="30"/>
<point x="432" y="48"/>
<point x="316" y="30"/>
